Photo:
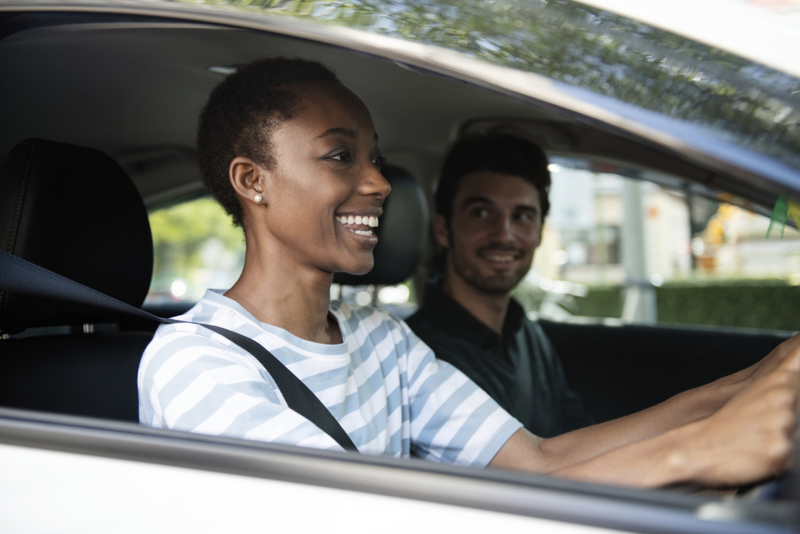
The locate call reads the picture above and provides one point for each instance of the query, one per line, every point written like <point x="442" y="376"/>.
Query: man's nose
<point x="503" y="229"/>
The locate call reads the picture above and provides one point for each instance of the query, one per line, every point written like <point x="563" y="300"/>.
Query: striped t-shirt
<point x="384" y="386"/>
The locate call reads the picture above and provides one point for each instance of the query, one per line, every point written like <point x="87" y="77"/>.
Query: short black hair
<point x="242" y="113"/>
<point x="501" y="153"/>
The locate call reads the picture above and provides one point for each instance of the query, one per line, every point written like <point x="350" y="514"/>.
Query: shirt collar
<point x="452" y="317"/>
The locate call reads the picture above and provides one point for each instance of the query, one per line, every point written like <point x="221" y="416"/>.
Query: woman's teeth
<point x="358" y="219"/>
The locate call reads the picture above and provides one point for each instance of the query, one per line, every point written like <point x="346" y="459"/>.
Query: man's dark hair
<point x="501" y="153"/>
<point x="242" y="113"/>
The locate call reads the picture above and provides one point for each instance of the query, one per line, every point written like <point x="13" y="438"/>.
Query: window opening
<point x="636" y="251"/>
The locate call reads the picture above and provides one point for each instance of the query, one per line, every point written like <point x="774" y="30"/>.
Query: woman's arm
<point x="749" y="438"/>
<point x="682" y="409"/>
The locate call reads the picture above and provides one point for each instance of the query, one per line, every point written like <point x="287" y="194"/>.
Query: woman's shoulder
<point x="356" y="313"/>
<point x="375" y="323"/>
<point x="188" y="331"/>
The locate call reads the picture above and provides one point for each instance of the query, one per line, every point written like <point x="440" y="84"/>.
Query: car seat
<point x="74" y="211"/>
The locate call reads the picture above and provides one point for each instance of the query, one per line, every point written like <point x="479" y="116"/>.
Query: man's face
<point x="495" y="226"/>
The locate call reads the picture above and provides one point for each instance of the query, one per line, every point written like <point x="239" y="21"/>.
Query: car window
<point x="622" y="248"/>
<point x="629" y="68"/>
<point x="197" y="247"/>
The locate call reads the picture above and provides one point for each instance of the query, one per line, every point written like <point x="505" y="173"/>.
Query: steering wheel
<point x="783" y="488"/>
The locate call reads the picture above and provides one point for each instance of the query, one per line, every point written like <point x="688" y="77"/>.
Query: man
<point x="491" y="202"/>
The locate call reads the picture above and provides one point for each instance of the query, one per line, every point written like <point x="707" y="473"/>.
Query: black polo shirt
<point x="520" y="369"/>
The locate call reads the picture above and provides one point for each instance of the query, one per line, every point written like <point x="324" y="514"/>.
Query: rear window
<point x="623" y="248"/>
<point x="196" y="247"/>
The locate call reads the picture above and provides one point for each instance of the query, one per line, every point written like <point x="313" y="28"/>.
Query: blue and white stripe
<point x="383" y="385"/>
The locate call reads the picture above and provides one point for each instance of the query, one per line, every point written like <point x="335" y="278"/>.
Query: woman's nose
<point x="374" y="183"/>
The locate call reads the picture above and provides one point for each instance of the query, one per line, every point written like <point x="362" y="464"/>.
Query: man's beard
<point x="492" y="285"/>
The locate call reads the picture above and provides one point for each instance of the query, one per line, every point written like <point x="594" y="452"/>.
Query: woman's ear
<point x="248" y="180"/>
<point x="441" y="231"/>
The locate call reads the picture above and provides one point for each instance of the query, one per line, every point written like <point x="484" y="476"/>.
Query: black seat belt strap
<point x="297" y="395"/>
<point x="20" y="276"/>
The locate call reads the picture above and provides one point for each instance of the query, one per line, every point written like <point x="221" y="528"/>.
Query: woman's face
<point x="326" y="176"/>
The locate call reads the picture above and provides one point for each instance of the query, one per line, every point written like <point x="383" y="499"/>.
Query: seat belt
<point x="21" y="276"/>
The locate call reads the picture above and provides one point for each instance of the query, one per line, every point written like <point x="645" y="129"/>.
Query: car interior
<point x="99" y="118"/>
<point x="94" y="373"/>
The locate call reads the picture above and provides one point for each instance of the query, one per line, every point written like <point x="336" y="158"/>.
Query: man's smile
<point x="500" y="256"/>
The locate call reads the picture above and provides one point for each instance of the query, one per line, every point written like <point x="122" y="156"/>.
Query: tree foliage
<point x="180" y="232"/>
<point x="741" y="101"/>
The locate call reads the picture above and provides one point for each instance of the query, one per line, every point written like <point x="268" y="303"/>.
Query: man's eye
<point x="526" y="217"/>
<point x="479" y="213"/>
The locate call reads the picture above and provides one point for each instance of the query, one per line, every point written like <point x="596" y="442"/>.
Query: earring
<point x="258" y="199"/>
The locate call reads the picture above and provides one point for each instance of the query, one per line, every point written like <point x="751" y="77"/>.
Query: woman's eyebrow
<point x="347" y="132"/>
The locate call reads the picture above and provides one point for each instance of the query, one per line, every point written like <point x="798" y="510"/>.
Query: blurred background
<point x="614" y="246"/>
<point x="620" y="245"/>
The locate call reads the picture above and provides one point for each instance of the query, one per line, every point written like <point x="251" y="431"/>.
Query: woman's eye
<point x="343" y="156"/>
<point x="378" y="161"/>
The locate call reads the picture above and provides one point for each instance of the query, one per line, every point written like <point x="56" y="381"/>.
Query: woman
<point x="292" y="155"/>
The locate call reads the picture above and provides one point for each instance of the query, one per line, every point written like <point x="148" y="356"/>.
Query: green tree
<point x="181" y="231"/>
<point x="756" y="107"/>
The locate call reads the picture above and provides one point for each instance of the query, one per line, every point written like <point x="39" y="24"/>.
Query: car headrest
<point x="401" y="234"/>
<point x="74" y="211"/>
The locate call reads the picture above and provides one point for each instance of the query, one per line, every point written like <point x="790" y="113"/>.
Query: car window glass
<point x="644" y="73"/>
<point x="195" y="247"/>
<point x="400" y="300"/>
<point x="621" y="248"/>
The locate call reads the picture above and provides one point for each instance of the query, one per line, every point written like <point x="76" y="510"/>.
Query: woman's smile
<point x="361" y="224"/>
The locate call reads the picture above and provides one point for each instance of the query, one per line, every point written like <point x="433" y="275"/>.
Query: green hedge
<point x="755" y="304"/>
